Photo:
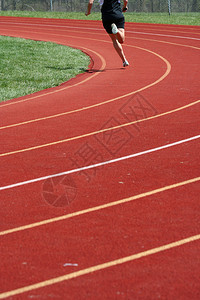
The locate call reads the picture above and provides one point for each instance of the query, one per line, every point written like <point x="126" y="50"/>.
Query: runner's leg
<point x="121" y="35"/>
<point x="118" y="47"/>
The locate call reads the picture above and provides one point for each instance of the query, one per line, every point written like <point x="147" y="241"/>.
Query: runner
<point x="113" y="22"/>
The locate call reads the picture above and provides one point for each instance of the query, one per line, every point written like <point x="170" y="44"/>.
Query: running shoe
<point x="125" y="64"/>
<point x="114" y="28"/>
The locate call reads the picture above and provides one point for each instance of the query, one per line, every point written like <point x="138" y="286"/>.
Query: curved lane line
<point x="100" y="267"/>
<point x="165" y="35"/>
<point x="164" y="42"/>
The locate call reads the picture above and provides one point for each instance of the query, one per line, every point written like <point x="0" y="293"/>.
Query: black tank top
<point x="111" y="7"/>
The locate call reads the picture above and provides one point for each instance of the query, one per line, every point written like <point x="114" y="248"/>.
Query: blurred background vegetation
<point x="147" y="6"/>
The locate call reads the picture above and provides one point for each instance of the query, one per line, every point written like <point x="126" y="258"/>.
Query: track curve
<point x="115" y="225"/>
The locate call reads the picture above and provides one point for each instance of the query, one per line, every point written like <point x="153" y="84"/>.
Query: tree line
<point x="80" y="5"/>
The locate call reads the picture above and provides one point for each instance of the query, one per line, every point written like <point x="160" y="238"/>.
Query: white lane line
<point x="167" y="35"/>
<point x="99" y="29"/>
<point x="100" y="164"/>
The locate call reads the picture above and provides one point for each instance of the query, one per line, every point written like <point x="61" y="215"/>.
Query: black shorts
<point x="107" y="21"/>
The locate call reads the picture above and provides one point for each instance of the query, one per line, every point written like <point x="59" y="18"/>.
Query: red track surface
<point x="129" y="229"/>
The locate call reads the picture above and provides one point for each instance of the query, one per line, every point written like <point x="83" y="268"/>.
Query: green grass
<point x="28" y="66"/>
<point x="159" y="18"/>
<point x="164" y="18"/>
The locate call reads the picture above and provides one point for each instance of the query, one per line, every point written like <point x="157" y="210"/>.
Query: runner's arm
<point x="125" y="7"/>
<point x="90" y="3"/>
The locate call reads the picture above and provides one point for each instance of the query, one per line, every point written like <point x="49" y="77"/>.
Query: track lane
<point x="96" y="245"/>
<point x="129" y="279"/>
<point x="96" y="24"/>
<point x="131" y="139"/>
<point x="181" y="165"/>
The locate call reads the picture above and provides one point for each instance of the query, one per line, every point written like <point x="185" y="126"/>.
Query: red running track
<point x="100" y="176"/>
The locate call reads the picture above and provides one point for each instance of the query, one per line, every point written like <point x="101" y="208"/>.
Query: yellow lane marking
<point x="186" y="32"/>
<point x="100" y="207"/>
<point x="97" y="132"/>
<point x="100" y="267"/>
<point x="164" y="42"/>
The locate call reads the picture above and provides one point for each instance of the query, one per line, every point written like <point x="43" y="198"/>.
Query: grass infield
<point x="28" y="66"/>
